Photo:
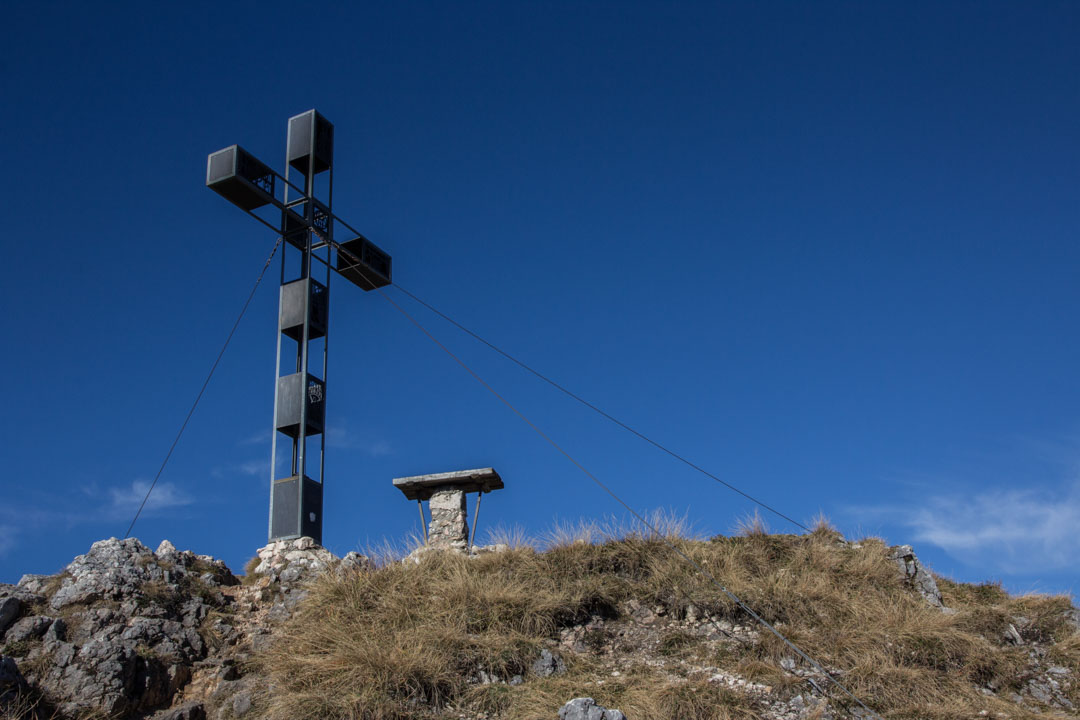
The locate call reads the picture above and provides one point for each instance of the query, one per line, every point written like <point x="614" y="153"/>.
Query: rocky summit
<point x="125" y="631"/>
<point x="616" y="630"/>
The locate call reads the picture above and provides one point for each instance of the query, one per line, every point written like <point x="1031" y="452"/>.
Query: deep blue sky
<point x="827" y="250"/>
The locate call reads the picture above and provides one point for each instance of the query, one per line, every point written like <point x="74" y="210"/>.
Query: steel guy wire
<point x="640" y="518"/>
<point x="598" y="410"/>
<point x="206" y="382"/>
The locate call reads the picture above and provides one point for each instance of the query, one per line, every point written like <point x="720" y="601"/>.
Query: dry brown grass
<point x="30" y="706"/>
<point x="249" y="570"/>
<point x="513" y="536"/>
<point x="404" y="640"/>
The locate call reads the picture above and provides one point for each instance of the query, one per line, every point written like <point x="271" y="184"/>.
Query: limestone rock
<point x="29" y="628"/>
<point x="548" y="664"/>
<point x="241" y="703"/>
<point x="130" y="631"/>
<point x="916" y="575"/>
<point x="34" y="584"/>
<point x="489" y="549"/>
<point x="587" y="709"/>
<point x="166" y="549"/>
<point x="355" y="561"/>
<point x="294" y="561"/>
<point x="117" y="569"/>
<point x="111" y="569"/>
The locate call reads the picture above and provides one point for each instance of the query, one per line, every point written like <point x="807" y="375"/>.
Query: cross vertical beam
<point x="296" y="497"/>
<point x="306" y="224"/>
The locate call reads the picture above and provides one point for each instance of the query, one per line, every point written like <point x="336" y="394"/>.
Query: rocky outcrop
<point x="118" y="630"/>
<point x="128" y="632"/>
<point x="548" y="664"/>
<point x="916" y="575"/>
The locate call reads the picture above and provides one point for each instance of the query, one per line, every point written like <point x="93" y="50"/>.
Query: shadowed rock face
<point x="10" y="608"/>
<point x="11" y="680"/>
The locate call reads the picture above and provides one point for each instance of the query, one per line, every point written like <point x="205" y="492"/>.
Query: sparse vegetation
<point x="208" y="628"/>
<point x="157" y="592"/>
<point x="676" y="641"/>
<point x="249" y="570"/>
<point x="404" y="640"/>
<point x="19" y="648"/>
<point x="54" y="584"/>
<point x="30" y="705"/>
<point x="26" y="706"/>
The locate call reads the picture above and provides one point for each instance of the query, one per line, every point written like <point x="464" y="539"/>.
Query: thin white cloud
<point x="1015" y="531"/>
<point x="259" y="438"/>
<point x="254" y="467"/>
<point x="165" y="495"/>
<point x="378" y="448"/>
<point x="342" y="439"/>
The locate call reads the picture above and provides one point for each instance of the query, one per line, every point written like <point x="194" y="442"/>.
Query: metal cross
<point x="301" y="215"/>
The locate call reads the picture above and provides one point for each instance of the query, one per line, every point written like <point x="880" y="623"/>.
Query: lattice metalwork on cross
<point x="298" y="206"/>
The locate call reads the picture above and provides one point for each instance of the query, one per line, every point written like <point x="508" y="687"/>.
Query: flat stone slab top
<point x="422" y="487"/>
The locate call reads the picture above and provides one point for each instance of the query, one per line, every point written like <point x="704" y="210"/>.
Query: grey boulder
<point x="587" y="709"/>
<point x="548" y="664"/>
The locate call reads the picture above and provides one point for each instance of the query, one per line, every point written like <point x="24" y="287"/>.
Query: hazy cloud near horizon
<point x="1016" y="531"/>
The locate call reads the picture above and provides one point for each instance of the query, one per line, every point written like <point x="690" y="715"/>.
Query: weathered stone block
<point x="449" y="527"/>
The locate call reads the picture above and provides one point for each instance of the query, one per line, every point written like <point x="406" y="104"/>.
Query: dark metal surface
<point x="361" y="262"/>
<point x="297" y="513"/>
<point x="311" y="142"/>
<point x="240" y="178"/>
<point x="285" y="519"/>
<point x="294" y="227"/>
<point x="300" y="403"/>
<point x="292" y="310"/>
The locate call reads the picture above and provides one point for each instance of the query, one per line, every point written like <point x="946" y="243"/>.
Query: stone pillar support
<point x="449" y="527"/>
<point x="445" y="493"/>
